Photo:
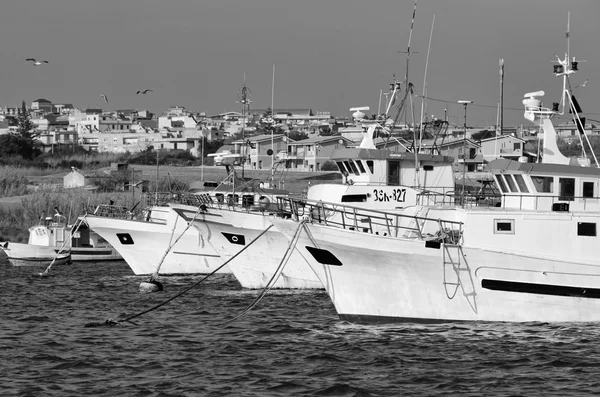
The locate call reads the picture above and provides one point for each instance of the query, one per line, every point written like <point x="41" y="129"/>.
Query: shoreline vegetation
<point x="28" y="194"/>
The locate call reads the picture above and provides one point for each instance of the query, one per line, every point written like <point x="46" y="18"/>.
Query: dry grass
<point x="15" y="222"/>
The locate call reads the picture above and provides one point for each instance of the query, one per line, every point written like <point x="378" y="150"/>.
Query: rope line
<point x="128" y="319"/>
<point x="275" y="276"/>
<point x="67" y="240"/>
<point x="154" y="276"/>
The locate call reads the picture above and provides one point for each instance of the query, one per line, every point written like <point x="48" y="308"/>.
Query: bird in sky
<point x="36" y="62"/>
<point x="583" y="85"/>
<point x="143" y="91"/>
<point x="105" y="98"/>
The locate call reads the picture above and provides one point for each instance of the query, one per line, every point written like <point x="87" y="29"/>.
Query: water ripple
<point x="292" y="343"/>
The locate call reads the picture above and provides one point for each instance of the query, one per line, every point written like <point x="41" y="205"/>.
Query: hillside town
<point x="264" y="137"/>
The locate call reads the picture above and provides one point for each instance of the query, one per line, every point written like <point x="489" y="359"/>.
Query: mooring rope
<point x="67" y="241"/>
<point x="275" y="276"/>
<point x="201" y="209"/>
<point x="128" y="319"/>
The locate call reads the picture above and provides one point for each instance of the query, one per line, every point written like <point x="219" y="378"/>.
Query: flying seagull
<point x="143" y="91"/>
<point x="36" y="63"/>
<point x="105" y="98"/>
<point x="583" y="85"/>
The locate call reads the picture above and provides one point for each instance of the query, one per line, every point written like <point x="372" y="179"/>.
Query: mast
<point x="407" y="88"/>
<point x="501" y="95"/>
<point x="273" y="125"/>
<point x="425" y="84"/>
<point x="244" y="99"/>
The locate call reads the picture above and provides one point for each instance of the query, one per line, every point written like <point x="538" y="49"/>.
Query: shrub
<point x="329" y="166"/>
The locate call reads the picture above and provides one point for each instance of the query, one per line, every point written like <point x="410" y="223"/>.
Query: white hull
<point x="95" y="254"/>
<point x="228" y="231"/>
<point x="143" y="244"/>
<point x="383" y="279"/>
<point x="33" y="255"/>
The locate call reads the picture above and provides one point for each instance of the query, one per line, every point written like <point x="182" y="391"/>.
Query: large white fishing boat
<point x="161" y="237"/>
<point x="234" y="215"/>
<point x="238" y="218"/>
<point x="534" y="258"/>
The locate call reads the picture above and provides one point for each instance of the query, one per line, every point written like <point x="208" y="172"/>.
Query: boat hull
<point x="94" y="254"/>
<point x="143" y="245"/>
<point x="32" y="255"/>
<point x="384" y="279"/>
<point x="228" y="231"/>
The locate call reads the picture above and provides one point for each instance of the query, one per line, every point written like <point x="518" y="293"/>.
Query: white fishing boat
<point x="234" y="214"/>
<point x="234" y="219"/>
<point x="79" y="239"/>
<point x="161" y="237"/>
<point x="20" y="254"/>
<point x="534" y="258"/>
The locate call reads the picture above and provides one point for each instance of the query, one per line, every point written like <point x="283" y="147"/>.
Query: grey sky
<point x="329" y="54"/>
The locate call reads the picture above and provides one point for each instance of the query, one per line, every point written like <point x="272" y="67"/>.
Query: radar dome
<point x="358" y="115"/>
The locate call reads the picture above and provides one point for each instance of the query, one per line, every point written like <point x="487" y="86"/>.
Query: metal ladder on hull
<point x="454" y="259"/>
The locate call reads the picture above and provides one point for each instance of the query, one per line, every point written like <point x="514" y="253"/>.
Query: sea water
<point x="291" y="344"/>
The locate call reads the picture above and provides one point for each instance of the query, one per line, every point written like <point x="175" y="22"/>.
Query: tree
<point x="483" y="134"/>
<point x="297" y="135"/>
<point x="12" y="145"/>
<point x="26" y="134"/>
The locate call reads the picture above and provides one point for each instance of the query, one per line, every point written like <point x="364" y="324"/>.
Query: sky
<point x="329" y="55"/>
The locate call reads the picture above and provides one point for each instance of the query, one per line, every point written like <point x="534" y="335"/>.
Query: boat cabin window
<point x="351" y="166"/>
<point x="501" y="183"/>
<point x="521" y="183"/>
<point x="567" y="189"/>
<point x="504" y="226"/>
<point x="370" y="165"/>
<point x="232" y="199"/>
<point x="588" y="189"/>
<point x="220" y="198"/>
<point x="543" y="184"/>
<point x="428" y="168"/>
<point x="361" y="167"/>
<point x="586" y="229"/>
<point x="247" y="200"/>
<point x="341" y="167"/>
<point x="354" y="198"/>
<point x="393" y="173"/>
<point x="511" y="183"/>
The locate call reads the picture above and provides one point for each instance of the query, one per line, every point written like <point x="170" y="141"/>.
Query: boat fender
<point x="108" y="323"/>
<point x="151" y="286"/>
<point x="42" y="275"/>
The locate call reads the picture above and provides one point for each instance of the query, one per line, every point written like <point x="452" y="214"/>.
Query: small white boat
<point x="20" y="254"/>
<point x="85" y="245"/>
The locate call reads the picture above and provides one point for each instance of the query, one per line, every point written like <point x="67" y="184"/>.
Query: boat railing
<point x="247" y="202"/>
<point x="385" y="223"/>
<point x="109" y="211"/>
<point x="512" y="201"/>
<point x="162" y="199"/>
<point x="453" y="198"/>
<point x="548" y="202"/>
